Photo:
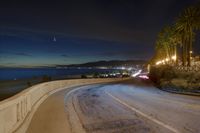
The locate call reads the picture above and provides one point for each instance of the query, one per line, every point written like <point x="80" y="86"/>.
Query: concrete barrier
<point x="16" y="112"/>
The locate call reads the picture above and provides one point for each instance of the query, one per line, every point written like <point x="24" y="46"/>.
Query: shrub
<point x="96" y="75"/>
<point x="83" y="76"/>
<point x="162" y="72"/>
<point x="46" y="78"/>
<point x="29" y="84"/>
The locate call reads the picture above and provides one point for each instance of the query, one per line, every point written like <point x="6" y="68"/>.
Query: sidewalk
<point x="51" y="116"/>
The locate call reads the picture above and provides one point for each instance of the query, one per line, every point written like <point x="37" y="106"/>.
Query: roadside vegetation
<point x="174" y="64"/>
<point x="168" y="78"/>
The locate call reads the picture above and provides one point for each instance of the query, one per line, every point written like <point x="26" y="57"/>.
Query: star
<point x="54" y="39"/>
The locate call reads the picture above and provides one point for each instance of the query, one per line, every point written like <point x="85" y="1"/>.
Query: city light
<point x="123" y="68"/>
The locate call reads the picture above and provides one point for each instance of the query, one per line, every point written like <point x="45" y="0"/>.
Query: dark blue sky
<point x="84" y="30"/>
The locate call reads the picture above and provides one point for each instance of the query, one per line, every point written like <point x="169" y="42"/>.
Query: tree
<point x="175" y="40"/>
<point x="162" y="45"/>
<point x="186" y="25"/>
<point x="166" y="43"/>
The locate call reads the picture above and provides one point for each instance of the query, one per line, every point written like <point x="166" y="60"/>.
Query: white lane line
<point x="143" y="114"/>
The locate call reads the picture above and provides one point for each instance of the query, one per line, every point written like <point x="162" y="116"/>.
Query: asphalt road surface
<point x="125" y="107"/>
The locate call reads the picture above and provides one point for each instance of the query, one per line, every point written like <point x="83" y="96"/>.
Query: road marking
<point x="143" y="114"/>
<point x="76" y="123"/>
<point x="74" y="120"/>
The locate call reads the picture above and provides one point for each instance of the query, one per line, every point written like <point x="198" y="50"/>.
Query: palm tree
<point x="166" y="43"/>
<point x="162" y="50"/>
<point x="175" y="40"/>
<point x="186" y="25"/>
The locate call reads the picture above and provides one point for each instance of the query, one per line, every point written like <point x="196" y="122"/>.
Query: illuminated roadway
<point x="125" y="107"/>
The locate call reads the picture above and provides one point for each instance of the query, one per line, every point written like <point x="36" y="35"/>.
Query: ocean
<point x="23" y="73"/>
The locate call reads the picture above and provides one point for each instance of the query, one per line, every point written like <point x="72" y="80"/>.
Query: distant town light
<point x="123" y="68"/>
<point x="130" y="68"/>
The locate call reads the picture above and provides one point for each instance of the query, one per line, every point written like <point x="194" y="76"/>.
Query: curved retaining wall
<point x="16" y="112"/>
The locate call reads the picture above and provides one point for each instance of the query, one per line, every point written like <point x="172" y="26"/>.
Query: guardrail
<point x="16" y="112"/>
<point x="188" y="69"/>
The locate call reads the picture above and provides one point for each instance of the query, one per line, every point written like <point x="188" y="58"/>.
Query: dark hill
<point x="112" y="63"/>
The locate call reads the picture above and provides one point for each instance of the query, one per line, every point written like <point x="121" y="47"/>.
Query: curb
<point x="183" y="93"/>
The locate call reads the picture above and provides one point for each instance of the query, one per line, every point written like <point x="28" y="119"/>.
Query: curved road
<point x="125" y="107"/>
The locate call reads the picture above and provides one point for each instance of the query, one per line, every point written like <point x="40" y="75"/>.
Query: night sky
<point x="67" y="32"/>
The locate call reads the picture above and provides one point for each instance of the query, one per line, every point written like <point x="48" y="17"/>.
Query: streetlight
<point x="191" y="54"/>
<point x="174" y="57"/>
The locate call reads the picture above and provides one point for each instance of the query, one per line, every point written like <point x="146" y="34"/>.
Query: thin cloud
<point x="126" y="54"/>
<point x="14" y="53"/>
<point x="24" y="54"/>
<point x="64" y="55"/>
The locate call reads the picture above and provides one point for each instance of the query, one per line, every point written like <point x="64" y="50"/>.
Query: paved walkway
<point x="51" y="116"/>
